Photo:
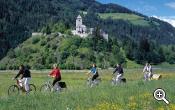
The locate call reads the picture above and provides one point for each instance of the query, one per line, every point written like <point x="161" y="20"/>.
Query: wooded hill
<point x="18" y="19"/>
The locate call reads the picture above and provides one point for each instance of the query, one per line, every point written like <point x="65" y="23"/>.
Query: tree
<point x="46" y="30"/>
<point x="59" y="27"/>
<point x="11" y="53"/>
<point x="144" y="45"/>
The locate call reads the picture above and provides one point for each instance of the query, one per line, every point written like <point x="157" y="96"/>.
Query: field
<point x="134" y="95"/>
<point x="134" y="19"/>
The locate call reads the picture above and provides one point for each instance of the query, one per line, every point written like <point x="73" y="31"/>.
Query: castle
<point x="82" y="30"/>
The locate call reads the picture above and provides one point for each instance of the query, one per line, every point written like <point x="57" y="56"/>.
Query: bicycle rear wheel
<point x="32" y="88"/>
<point x="13" y="90"/>
<point x="45" y="88"/>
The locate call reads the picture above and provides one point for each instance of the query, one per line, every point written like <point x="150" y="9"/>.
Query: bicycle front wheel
<point x="45" y="88"/>
<point x="13" y="90"/>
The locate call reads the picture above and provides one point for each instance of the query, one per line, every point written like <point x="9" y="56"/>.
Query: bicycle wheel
<point x="88" y="83"/>
<point x="45" y="88"/>
<point x="113" y="82"/>
<point x="13" y="90"/>
<point x="32" y="88"/>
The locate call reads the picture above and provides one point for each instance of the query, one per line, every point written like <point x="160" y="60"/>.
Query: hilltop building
<point x="81" y="29"/>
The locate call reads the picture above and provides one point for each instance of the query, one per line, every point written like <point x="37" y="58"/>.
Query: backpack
<point x="62" y="84"/>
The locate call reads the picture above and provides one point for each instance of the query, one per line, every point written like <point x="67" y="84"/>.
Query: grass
<point x="134" y="95"/>
<point x="124" y="16"/>
<point x="132" y="64"/>
<point x="166" y="65"/>
<point x="134" y="19"/>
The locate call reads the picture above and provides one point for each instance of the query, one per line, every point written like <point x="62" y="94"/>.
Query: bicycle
<point x="47" y="87"/>
<point x="91" y="83"/>
<point x="147" y="76"/>
<point x="116" y="81"/>
<point x="16" y="88"/>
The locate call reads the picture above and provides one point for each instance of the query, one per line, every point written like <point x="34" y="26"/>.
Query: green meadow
<point x="136" y="94"/>
<point x="132" y="18"/>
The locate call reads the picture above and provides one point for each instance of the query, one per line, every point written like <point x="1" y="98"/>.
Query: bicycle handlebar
<point x="17" y="80"/>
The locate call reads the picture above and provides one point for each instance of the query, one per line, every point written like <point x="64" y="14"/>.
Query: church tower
<point x="79" y="23"/>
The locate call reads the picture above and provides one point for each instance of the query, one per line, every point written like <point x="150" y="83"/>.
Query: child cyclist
<point x="94" y="72"/>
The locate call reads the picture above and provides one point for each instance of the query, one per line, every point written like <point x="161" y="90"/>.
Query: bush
<point x="68" y="32"/>
<point x="54" y="46"/>
<point x="70" y="66"/>
<point x="62" y="66"/>
<point x="28" y="50"/>
<point x="48" y="46"/>
<point x="11" y="53"/>
<point x="38" y="66"/>
<point x="43" y="43"/>
<point x="46" y="30"/>
<point x="35" y="40"/>
<point x="2" y="66"/>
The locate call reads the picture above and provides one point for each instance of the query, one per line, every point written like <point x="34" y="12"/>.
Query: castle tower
<point x="79" y="23"/>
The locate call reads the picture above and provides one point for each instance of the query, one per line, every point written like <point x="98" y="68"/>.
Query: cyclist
<point x="119" y="71"/>
<point x="94" y="72"/>
<point x="25" y="78"/>
<point x="56" y="74"/>
<point x="147" y="70"/>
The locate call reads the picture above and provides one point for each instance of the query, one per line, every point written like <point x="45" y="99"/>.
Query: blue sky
<point x="162" y="9"/>
<point x="148" y="7"/>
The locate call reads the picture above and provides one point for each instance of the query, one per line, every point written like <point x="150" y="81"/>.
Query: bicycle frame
<point x="116" y="81"/>
<point x="19" y="86"/>
<point x="18" y="83"/>
<point x="48" y="83"/>
<point x="92" y="83"/>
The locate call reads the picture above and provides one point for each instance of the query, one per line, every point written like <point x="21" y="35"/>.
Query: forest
<point x="139" y="43"/>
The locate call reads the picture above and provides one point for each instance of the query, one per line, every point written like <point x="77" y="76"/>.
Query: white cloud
<point x="171" y="5"/>
<point x="169" y="19"/>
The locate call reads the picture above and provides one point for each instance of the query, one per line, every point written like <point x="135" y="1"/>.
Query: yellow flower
<point x="106" y="106"/>
<point x="172" y="106"/>
<point x="132" y="98"/>
<point x="160" y="108"/>
<point x="132" y="105"/>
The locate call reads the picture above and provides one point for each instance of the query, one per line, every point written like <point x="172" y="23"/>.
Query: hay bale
<point x="156" y="76"/>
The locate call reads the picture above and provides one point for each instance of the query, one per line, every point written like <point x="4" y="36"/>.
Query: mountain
<point x="18" y="19"/>
<point x="170" y="20"/>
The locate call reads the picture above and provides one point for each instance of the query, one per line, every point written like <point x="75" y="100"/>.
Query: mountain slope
<point x="70" y="52"/>
<point x="19" y="18"/>
<point x="73" y="52"/>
